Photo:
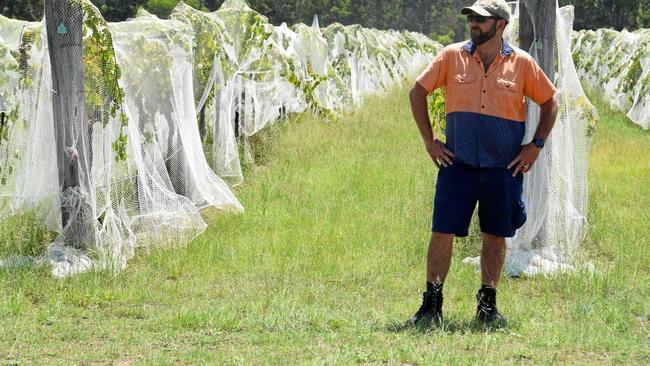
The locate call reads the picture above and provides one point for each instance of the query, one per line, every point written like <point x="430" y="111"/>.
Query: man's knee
<point x="441" y="238"/>
<point x="493" y="240"/>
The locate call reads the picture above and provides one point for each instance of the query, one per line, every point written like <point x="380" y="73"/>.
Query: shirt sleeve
<point x="537" y="86"/>
<point x="435" y="75"/>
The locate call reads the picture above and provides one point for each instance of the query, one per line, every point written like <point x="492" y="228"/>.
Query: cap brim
<point x="475" y="9"/>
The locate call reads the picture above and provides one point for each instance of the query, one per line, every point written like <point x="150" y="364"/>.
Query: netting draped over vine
<point x="248" y="73"/>
<point x="616" y="65"/>
<point x="28" y="172"/>
<point x="555" y="189"/>
<point x="148" y="124"/>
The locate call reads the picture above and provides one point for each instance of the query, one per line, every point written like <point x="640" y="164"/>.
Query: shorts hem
<point x="461" y="234"/>
<point x="500" y="234"/>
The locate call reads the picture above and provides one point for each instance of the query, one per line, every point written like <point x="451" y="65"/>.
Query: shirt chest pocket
<point x="508" y="98"/>
<point x="508" y="85"/>
<point x="463" y="92"/>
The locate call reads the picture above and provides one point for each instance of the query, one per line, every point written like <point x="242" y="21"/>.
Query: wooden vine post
<point x="64" y="25"/>
<point x="537" y="27"/>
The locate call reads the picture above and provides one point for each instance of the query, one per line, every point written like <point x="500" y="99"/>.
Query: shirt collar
<point x="506" y="49"/>
<point x="469" y="47"/>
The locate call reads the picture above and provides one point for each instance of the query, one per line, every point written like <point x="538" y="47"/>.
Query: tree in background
<point x="643" y="17"/>
<point x="439" y="19"/>
<point x="22" y="9"/>
<point x="163" y="8"/>
<point x="617" y="14"/>
<point x="116" y="10"/>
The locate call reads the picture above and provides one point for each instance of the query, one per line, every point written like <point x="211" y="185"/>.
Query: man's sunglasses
<point x="478" y="19"/>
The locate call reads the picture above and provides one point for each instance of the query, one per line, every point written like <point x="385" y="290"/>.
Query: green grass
<point x="21" y="237"/>
<point x="329" y="256"/>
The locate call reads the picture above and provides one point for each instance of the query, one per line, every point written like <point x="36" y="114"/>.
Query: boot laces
<point x="486" y="304"/>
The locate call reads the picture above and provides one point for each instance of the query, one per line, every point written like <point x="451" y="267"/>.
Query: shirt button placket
<point x="484" y="88"/>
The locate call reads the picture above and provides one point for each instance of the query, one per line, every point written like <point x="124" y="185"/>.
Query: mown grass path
<point x="329" y="256"/>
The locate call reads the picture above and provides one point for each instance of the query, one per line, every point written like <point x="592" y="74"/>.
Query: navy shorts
<point x="501" y="208"/>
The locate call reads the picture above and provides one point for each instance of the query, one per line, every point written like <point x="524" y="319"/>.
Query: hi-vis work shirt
<point x="486" y="111"/>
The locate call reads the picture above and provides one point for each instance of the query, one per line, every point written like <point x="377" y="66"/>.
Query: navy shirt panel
<point x="483" y="141"/>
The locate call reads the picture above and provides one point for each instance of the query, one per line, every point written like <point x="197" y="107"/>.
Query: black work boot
<point x="430" y="313"/>
<point x="486" y="309"/>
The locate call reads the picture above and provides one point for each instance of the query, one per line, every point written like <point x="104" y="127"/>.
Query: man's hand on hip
<point x="525" y="160"/>
<point x="439" y="153"/>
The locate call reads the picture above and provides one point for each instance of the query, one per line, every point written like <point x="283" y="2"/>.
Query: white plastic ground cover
<point x="616" y="65"/>
<point x="168" y="105"/>
<point x="555" y="189"/>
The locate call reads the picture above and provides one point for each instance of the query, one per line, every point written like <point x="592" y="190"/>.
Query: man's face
<point x="481" y="32"/>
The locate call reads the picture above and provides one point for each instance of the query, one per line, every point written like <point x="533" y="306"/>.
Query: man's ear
<point x="502" y="24"/>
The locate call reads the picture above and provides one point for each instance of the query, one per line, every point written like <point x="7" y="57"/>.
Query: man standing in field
<point x="484" y="158"/>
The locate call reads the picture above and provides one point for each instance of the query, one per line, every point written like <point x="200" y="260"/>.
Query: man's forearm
<point x="418" y="98"/>
<point x="547" y="114"/>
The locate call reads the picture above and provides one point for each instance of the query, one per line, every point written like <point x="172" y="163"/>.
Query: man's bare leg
<point x="492" y="257"/>
<point x="439" y="257"/>
<point x="438" y="261"/>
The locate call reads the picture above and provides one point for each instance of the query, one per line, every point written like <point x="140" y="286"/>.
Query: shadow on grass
<point x="451" y="326"/>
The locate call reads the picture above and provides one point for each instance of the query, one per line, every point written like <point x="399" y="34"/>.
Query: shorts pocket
<point x="519" y="214"/>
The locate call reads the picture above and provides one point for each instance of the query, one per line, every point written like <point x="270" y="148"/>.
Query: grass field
<point x="329" y="256"/>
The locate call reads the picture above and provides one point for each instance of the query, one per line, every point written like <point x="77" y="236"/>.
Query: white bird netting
<point x="148" y="122"/>
<point x="616" y="66"/>
<point x="152" y="96"/>
<point x="555" y="189"/>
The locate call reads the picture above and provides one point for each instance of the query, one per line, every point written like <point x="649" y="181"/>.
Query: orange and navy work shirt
<point x="486" y="111"/>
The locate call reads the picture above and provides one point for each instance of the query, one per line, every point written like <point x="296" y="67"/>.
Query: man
<point x="483" y="160"/>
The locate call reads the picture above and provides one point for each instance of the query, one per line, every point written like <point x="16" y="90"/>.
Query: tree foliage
<point x="22" y="9"/>
<point x="617" y="14"/>
<point x="440" y="19"/>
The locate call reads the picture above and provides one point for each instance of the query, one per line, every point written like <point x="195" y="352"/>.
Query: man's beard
<point x="484" y="37"/>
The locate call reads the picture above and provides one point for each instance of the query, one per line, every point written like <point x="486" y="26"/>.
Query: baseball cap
<point x="487" y="8"/>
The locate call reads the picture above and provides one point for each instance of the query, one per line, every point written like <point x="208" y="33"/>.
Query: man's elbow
<point x="556" y="104"/>
<point x="418" y="92"/>
<point x="551" y="106"/>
